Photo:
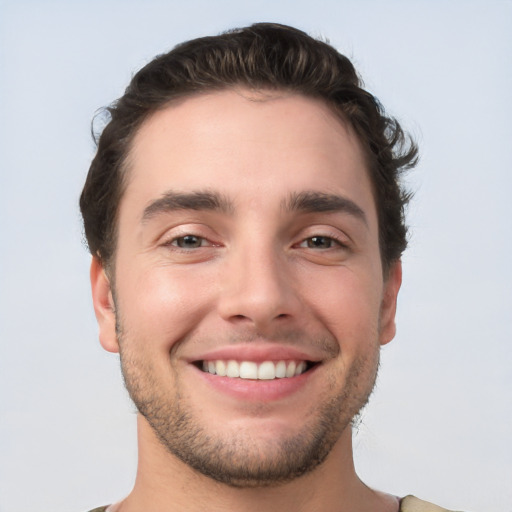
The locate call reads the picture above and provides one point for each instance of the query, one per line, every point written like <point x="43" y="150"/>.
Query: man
<point x="245" y="218"/>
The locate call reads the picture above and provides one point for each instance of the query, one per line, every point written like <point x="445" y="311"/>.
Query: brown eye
<point x="319" y="242"/>
<point x="189" y="242"/>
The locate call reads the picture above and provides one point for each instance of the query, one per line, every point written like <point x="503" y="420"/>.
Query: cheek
<point x="348" y="304"/>
<point x="163" y="304"/>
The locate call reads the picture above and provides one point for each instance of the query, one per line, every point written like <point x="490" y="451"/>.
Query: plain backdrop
<point x="439" y="424"/>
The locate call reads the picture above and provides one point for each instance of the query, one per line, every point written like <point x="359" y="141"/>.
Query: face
<point x="249" y="303"/>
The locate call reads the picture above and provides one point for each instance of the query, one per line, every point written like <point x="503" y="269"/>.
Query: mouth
<point x="251" y="370"/>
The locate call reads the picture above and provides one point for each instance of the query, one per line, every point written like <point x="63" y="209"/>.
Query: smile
<point x="266" y="370"/>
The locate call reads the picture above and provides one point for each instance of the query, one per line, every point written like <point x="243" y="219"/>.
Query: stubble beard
<point x="237" y="459"/>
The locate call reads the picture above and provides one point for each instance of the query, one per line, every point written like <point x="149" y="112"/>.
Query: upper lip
<point x="257" y="353"/>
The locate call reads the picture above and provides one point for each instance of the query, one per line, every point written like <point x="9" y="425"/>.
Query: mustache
<point x="324" y="343"/>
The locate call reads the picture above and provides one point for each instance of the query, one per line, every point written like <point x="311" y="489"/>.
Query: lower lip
<point x="258" y="390"/>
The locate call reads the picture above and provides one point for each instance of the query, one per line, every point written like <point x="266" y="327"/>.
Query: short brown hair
<point x="262" y="56"/>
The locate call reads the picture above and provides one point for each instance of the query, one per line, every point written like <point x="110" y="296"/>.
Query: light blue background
<point x="440" y="422"/>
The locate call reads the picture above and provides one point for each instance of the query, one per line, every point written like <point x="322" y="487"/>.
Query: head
<point x="245" y="197"/>
<point x="261" y="57"/>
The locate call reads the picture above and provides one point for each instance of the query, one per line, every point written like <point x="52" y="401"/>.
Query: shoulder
<point x="99" y="509"/>
<point x="413" y="504"/>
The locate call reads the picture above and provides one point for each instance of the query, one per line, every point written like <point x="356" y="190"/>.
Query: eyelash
<point x="333" y="240"/>
<point x="174" y="242"/>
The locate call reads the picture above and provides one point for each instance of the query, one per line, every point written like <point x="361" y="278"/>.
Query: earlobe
<point x="103" y="306"/>
<point x="389" y="301"/>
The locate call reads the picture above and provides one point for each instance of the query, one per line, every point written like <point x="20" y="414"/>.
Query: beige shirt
<point x="408" y="504"/>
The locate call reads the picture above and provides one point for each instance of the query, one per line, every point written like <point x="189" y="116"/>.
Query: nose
<point x="258" y="289"/>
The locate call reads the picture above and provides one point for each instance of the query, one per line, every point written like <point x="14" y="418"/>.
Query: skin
<point x="259" y="276"/>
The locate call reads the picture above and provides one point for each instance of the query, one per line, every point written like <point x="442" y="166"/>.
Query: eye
<point x="319" y="242"/>
<point x="189" y="242"/>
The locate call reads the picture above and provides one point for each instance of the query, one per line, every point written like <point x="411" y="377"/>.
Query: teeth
<point x="248" y="370"/>
<point x="281" y="369"/>
<point x="232" y="369"/>
<point x="267" y="370"/>
<point x="290" y="369"/>
<point x="220" y="368"/>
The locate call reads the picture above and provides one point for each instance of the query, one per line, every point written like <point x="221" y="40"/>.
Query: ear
<point x="103" y="306"/>
<point x="388" y="305"/>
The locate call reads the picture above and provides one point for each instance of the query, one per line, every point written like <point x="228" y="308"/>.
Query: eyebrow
<point x="319" y="202"/>
<point x="201" y="200"/>
<point x="305" y="202"/>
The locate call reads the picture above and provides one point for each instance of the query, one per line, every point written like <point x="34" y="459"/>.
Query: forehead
<point x="254" y="147"/>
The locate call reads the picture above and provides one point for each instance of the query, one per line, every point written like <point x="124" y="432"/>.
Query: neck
<point x="165" y="484"/>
